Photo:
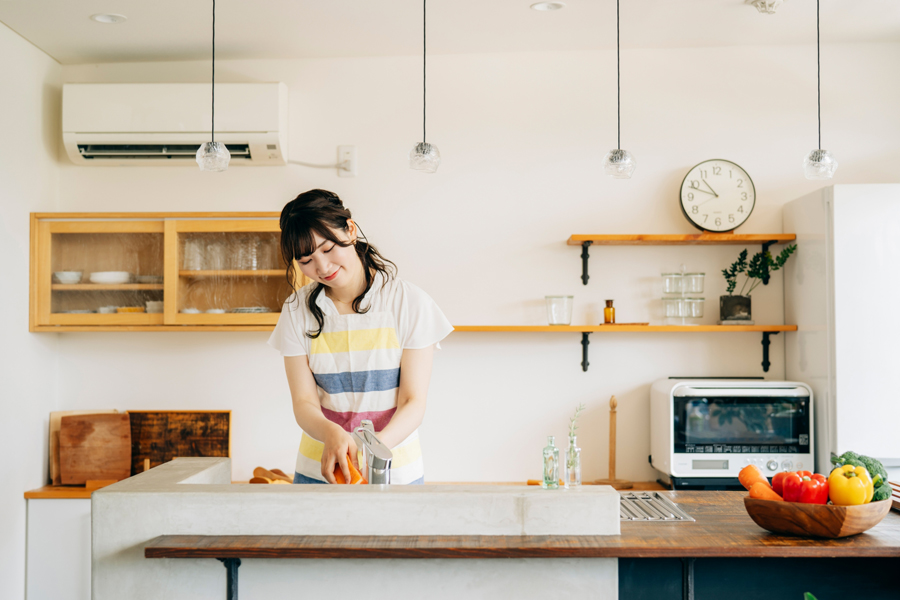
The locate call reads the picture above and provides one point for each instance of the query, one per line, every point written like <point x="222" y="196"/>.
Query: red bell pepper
<point x="778" y="482"/>
<point x="791" y="483"/>
<point x="814" y="490"/>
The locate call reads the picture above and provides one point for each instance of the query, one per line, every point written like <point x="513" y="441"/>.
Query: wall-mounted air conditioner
<point x="165" y="123"/>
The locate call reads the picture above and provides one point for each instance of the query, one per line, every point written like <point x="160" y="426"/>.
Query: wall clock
<point x="717" y="196"/>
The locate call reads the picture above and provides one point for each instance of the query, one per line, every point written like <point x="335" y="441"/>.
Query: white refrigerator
<point x="842" y="290"/>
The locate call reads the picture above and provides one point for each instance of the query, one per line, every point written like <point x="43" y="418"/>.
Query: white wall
<point x="522" y="136"/>
<point x="29" y="126"/>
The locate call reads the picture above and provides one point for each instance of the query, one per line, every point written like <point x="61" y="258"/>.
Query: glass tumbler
<point x="215" y="255"/>
<point x="248" y="253"/>
<point x="193" y="254"/>
<point x="559" y="310"/>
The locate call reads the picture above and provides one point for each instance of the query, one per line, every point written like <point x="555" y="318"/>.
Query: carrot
<point x="355" y="475"/>
<point x="750" y="475"/>
<point x="762" y="491"/>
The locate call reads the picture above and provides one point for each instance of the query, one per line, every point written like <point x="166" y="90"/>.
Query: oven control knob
<point x="772" y="465"/>
<point x="786" y="465"/>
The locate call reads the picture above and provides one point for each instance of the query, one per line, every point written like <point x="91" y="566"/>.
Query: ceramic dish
<point x="215" y="311"/>
<point x="110" y="277"/>
<point x="148" y="278"/>
<point x="815" y="520"/>
<point x="68" y="277"/>
<point x="190" y="311"/>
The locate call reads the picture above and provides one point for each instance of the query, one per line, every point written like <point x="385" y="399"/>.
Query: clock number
<point x="740" y="183"/>
<point x="717" y="170"/>
<point x="740" y="209"/>
<point x="690" y="196"/>
<point x="731" y="218"/>
<point x="695" y="184"/>
<point x="743" y="195"/>
<point x="705" y="217"/>
<point x="695" y="209"/>
<point x="703" y="174"/>
<point x="729" y="173"/>
<point x="718" y="221"/>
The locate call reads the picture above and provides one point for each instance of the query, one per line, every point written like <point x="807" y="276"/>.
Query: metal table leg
<point x="687" y="578"/>
<point x="231" y="577"/>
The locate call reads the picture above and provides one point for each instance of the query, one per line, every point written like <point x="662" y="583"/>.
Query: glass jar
<point x="193" y="255"/>
<point x="551" y="465"/>
<point x="673" y="283"/>
<point x="609" y="313"/>
<point x="693" y="282"/>
<point x="674" y="307"/>
<point x="693" y="307"/>
<point x="573" y="464"/>
<point x="215" y="255"/>
<point x="559" y="310"/>
<point x="248" y="253"/>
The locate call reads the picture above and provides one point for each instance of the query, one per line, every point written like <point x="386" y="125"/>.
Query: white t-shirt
<point x="356" y="361"/>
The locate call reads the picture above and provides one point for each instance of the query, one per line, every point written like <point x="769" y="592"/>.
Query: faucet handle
<point x="378" y="456"/>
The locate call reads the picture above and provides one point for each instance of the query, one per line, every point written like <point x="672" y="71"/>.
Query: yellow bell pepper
<point x="849" y="486"/>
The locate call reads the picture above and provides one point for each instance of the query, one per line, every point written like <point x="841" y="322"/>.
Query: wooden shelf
<point x="627" y="328"/>
<point x="233" y="273"/>
<point x="693" y="239"/>
<point x="104" y="287"/>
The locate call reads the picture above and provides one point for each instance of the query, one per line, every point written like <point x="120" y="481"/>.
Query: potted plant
<point x="736" y="307"/>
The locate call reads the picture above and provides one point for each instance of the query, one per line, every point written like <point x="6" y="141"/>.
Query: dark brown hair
<point x="322" y="212"/>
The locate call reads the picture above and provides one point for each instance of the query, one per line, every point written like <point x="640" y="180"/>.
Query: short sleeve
<point x="288" y="338"/>
<point x="421" y="322"/>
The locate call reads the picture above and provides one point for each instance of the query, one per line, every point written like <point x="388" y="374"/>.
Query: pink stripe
<point x="351" y="420"/>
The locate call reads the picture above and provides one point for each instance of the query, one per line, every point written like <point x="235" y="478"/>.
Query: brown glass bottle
<point x="609" y="313"/>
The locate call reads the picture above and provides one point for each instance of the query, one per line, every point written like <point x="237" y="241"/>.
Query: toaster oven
<point x="703" y="432"/>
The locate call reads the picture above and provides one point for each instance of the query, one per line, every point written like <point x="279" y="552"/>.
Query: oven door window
<point x="728" y="425"/>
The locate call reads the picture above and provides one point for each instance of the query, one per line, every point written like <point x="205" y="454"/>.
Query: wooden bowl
<point x="815" y="520"/>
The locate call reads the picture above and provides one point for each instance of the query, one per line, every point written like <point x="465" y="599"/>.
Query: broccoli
<point x="882" y="492"/>
<point x="876" y="471"/>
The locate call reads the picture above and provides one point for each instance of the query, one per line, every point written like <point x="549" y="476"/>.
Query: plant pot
<point x="734" y="308"/>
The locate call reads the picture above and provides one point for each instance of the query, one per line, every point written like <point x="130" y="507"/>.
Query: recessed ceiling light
<point x="109" y="19"/>
<point x="547" y="6"/>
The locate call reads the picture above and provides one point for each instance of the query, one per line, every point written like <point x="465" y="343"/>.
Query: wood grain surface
<point x="164" y="435"/>
<point x="94" y="446"/>
<point x="820" y="520"/>
<point x="722" y="529"/>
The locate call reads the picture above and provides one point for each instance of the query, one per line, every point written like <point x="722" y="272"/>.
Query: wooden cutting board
<point x="163" y="435"/>
<point x="55" y="417"/>
<point x="94" y="447"/>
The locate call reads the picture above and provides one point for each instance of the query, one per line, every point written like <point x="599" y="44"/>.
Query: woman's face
<point x="332" y="264"/>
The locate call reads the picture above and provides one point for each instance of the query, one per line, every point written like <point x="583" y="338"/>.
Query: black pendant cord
<point x="423" y="69"/>
<point x="213" y="123"/>
<point x="618" y="85"/>
<point x="819" y="73"/>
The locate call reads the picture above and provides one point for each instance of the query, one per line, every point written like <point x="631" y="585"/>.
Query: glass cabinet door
<point x="224" y="272"/>
<point x="100" y="272"/>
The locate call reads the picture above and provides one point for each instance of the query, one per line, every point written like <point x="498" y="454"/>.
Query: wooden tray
<point x="815" y="520"/>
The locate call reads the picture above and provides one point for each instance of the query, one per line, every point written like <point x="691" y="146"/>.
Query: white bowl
<point x="107" y="310"/>
<point x="68" y="277"/>
<point x="190" y="311"/>
<point x="110" y="277"/>
<point x="155" y="306"/>
<point x="215" y="311"/>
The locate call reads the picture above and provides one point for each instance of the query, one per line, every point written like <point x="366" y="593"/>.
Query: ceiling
<point x="163" y="30"/>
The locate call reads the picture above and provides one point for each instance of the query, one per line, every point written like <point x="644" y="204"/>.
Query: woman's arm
<point x="415" y="375"/>
<point x="308" y="412"/>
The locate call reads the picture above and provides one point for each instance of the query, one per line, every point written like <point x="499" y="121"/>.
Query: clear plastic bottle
<point x="551" y="465"/>
<point x="573" y="464"/>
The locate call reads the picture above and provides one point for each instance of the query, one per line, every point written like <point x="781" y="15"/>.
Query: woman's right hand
<point x="338" y="446"/>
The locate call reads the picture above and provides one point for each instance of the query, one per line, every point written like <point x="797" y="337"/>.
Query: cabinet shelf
<point x="233" y="273"/>
<point x="691" y="239"/>
<point x="102" y="287"/>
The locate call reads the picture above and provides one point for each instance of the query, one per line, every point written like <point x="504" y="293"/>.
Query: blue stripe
<point x="360" y="381"/>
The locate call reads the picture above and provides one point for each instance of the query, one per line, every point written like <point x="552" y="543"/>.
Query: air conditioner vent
<point x="153" y="151"/>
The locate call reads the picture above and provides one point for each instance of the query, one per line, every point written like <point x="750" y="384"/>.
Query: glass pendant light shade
<point x="424" y="157"/>
<point x="619" y="164"/>
<point x="766" y="6"/>
<point x="213" y="156"/>
<point x="819" y="164"/>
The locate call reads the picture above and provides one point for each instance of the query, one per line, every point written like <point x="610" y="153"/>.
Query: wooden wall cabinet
<point x="210" y="271"/>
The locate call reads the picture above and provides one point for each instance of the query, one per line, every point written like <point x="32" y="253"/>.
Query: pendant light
<point x="213" y="155"/>
<point x="819" y="164"/>
<point x="424" y="157"/>
<point x="618" y="163"/>
<point x="765" y="6"/>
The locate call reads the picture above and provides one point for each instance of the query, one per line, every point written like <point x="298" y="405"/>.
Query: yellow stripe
<point x="333" y="342"/>
<point x="404" y="455"/>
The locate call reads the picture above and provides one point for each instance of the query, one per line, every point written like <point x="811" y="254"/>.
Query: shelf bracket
<point x="231" y="577"/>
<point x="765" y="345"/>
<point x="585" y="342"/>
<point x="585" y="255"/>
<point x="765" y="248"/>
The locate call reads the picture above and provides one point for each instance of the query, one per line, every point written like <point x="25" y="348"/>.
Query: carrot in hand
<point x="355" y="475"/>
<point x="762" y="491"/>
<point x="750" y="475"/>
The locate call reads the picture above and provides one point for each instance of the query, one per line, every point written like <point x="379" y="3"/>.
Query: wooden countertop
<point x="722" y="529"/>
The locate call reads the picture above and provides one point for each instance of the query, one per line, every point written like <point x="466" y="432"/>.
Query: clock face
<point x="717" y="195"/>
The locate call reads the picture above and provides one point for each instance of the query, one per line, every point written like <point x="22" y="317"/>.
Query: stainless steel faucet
<point x="378" y="456"/>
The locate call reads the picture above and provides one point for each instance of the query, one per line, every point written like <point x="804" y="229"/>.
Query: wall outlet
<point x="347" y="154"/>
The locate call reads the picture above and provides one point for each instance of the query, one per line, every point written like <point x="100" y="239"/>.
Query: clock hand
<point x="704" y="191"/>
<point x="710" y="188"/>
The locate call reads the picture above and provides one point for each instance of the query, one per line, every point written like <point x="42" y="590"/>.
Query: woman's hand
<point x="338" y="445"/>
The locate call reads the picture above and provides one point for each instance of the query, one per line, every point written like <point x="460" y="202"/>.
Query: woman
<point x="357" y="343"/>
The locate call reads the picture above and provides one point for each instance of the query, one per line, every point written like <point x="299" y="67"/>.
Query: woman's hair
<point x="322" y="212"/>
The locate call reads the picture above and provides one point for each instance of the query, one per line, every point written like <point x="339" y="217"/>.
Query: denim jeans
<point x="298" y="478"/>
